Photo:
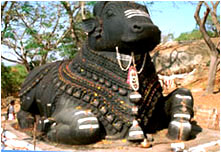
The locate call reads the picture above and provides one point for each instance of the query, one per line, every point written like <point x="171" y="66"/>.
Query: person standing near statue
<point x="11" y="110"/>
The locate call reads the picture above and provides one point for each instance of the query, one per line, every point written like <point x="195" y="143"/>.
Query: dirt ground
<point x="209" y="101"/>
<point x="210" y="140"/>
<point x="198" y="87"/>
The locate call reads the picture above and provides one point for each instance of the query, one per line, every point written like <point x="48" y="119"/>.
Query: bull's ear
<point x="89" y="25"/>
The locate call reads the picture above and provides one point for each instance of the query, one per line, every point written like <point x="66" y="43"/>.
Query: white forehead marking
<point x="132" y="13"/>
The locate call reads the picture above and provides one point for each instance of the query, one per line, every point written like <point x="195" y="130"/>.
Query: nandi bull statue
<point x="110" y="90"/>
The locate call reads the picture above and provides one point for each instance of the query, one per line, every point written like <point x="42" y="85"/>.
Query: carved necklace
<point x="132" y="77"/>
<point x="130" y="59"/>
<point x="124" y="58"/>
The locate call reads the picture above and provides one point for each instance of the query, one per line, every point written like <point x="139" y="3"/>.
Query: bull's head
<point x="123" y="24"/>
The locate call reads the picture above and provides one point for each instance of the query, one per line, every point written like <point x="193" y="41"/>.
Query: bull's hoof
<point x="135" y="133"/>
<point x="179" y="130"/>
<point x="84" y="129"/>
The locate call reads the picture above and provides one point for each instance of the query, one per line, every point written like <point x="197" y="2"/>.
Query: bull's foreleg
<point x="75" y="127"/>
<point x="179" y="107"/>
<point x="25" y="119"/>
<point x="28" y="108"/>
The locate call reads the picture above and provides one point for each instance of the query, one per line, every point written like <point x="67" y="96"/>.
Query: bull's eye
<point x="109" y="13"/>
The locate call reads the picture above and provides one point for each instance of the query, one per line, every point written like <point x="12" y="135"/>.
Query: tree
<point x="210" y="26"/>
<point x="6" y="79"/>
<point x="11" y="79"/>
<point x="195" y="34"/>
<point x="76" y="11"/>
<point x="34" y="32"/>
<point x="214" y="57"/>
<point x="25" y="32"/>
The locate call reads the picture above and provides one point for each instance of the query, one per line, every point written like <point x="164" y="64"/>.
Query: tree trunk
<point x="214" y="61"/>
<point x="214" y="57"/>
<point x="82" y="3"/>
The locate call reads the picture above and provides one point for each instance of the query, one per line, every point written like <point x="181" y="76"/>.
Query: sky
<point x="173" y="17"/>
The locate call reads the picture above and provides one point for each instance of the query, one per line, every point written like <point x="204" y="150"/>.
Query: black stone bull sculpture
<point x="110" y="89"/>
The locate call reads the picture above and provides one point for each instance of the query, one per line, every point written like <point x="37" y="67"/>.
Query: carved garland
<point x="108" y="87"/>
<point x="110" y="108"/>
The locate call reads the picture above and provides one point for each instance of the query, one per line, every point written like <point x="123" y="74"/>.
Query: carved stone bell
<point x="135" y="97"/>
<point x="135" y="132"/>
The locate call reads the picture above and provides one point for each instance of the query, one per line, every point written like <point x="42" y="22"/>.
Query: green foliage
<point x="27" y="8"/>
<point x="210" y="26"/>
<point x="9" y="35"/>
<point x="47" y="25"/>
<point x="6" y="79"/>
<point x="91" y="3"/>
<point x="32" y="44"/>
<point x="19" y="73"/>
<point x="11" y="79"/>
<point x="42" y="52"/>
<point x="30" y="31"/>
<point x="193" y="35"/>
<point x="67" y="49"/>
<point x="42" y="28"/>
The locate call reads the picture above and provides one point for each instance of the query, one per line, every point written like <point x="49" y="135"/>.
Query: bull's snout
<point x="137" y="28"/>
<point x="141" y="37"/>
<point x="142" y="32"/>
<point x="144" y="28"/>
